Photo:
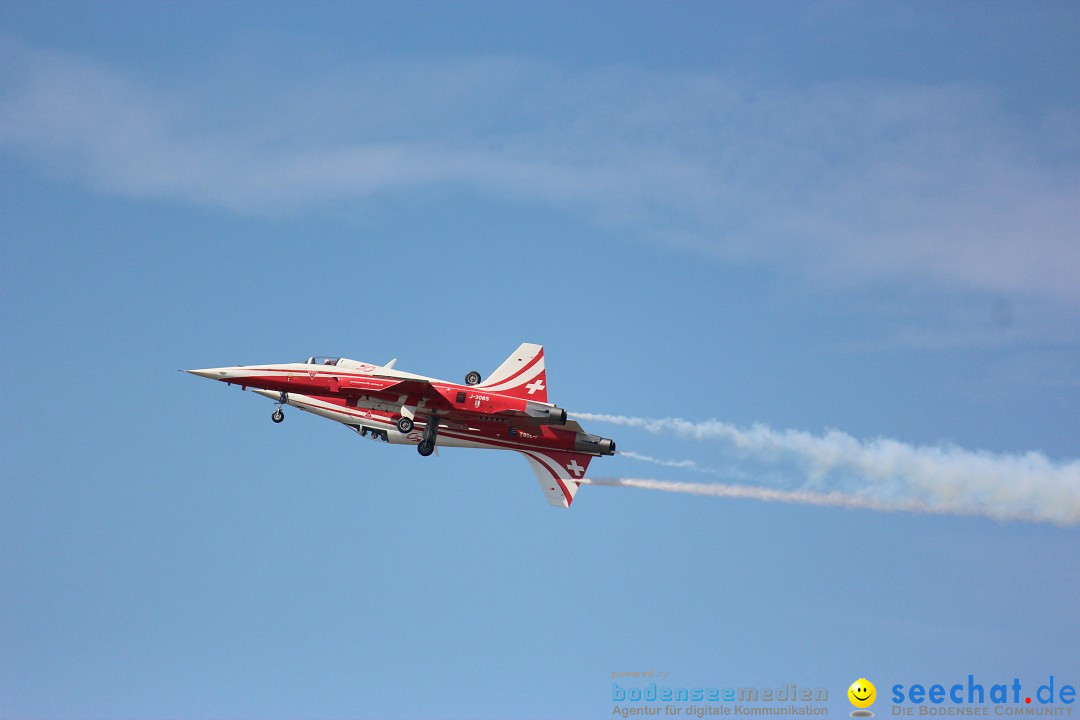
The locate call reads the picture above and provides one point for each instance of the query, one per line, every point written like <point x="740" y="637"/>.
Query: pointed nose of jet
<point x="212" y="373"/>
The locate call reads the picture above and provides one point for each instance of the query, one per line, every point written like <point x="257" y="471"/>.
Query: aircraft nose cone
<point x="211" y="373"/>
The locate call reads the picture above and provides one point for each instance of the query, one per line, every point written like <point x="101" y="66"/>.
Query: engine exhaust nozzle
<point x="545" y="414"/>
<point x="593" y="444"/>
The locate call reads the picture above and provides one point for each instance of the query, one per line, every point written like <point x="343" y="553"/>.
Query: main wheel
<point x="405" y="425"/>
<point x="278" y="416"/>
<point x="425" y="448"/>
<point x="472" y="378"/>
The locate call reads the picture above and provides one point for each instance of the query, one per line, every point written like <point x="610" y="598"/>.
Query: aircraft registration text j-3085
<point x="398" y="407"/>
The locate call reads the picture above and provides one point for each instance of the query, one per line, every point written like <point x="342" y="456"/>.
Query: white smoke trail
<point x="801" y="497"/>
<point x="681" y="464"/>
<point x="728" y="473"/>
<point x="890" y="475"/>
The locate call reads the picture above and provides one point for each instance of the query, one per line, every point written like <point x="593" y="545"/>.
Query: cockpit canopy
<point x="317" y="360"/>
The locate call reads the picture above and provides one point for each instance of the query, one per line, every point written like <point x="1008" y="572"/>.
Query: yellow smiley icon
<point x="862" y="693"/>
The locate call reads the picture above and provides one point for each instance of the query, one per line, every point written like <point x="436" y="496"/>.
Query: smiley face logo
<point x="862" y="693"/>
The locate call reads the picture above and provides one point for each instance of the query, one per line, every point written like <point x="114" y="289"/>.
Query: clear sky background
<point x="861" y="216"/>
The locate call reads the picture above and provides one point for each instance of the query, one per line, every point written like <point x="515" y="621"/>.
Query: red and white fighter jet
<point x="508" y="411"/>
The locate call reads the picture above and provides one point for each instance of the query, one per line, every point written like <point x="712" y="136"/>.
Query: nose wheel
<point x="278" y="415"/>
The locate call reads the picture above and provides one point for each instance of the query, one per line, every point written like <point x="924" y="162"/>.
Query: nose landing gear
<point x="278" y="415"/>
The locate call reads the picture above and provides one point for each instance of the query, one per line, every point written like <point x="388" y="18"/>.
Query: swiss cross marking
<point x="575" y="468"/>
<point x="535" y="386"/>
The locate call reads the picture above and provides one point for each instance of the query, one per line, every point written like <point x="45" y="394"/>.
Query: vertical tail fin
<point x="521" y="375"/>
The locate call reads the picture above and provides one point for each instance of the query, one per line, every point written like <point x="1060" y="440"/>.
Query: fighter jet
<point x="508" y="411"/>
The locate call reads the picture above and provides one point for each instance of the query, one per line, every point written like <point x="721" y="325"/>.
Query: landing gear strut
<point x="278" y="415"/>
<point x="431" y="431"/>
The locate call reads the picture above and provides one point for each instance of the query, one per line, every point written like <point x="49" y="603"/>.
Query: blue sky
<point x="847" y="216"/>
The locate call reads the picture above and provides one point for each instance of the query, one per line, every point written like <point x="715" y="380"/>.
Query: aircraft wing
<point x="558" y="473"/>
<point x="414" y="388"/>
<point x="420" y="388"/>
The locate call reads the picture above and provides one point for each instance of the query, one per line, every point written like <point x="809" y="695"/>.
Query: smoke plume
<point x="880" y="474"/>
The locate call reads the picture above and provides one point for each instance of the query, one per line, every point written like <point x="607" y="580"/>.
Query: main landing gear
<point x="278" y="415"/>
<point x="472" y="378"/>
<point x="431" y="431"/>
